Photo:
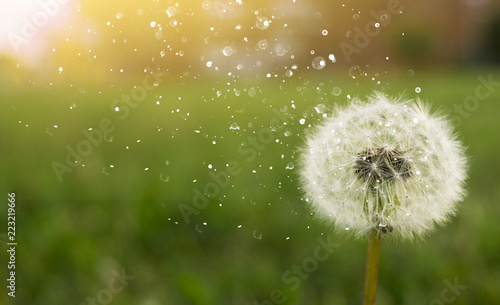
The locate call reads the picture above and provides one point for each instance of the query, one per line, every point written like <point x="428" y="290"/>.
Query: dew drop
<point x="227" y="51"/>
<point x="171" y="11"/>
<point x="320" y="108"/>
<point x="164" y="177"/>
<point x="257" y="234"/>
<point x="252" y="92"/>
<point x="290" y="165"/>
<point x="318" y="63"/>
<point x="262" y="22"/>
<point x="280" y="50"/>
<point x="262" y="44"/>
<point x="418" y="90"/>
<point x="199" y="228"/>
<point x="206" y="5"/>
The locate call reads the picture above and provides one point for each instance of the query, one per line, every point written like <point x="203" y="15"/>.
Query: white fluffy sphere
<point x="384" y="164"/>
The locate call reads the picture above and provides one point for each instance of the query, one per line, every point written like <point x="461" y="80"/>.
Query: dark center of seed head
<point x="382" y="165"/>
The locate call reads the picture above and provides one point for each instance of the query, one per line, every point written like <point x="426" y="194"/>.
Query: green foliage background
<point x="72" y="234"/>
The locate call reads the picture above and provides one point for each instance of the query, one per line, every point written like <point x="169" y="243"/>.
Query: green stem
<point x="371" y="272"/>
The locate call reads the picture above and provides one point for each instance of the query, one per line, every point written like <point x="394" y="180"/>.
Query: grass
<point x="72" y="234"/>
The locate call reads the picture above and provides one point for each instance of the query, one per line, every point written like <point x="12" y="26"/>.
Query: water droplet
<point x="320" y="108"/>
<point x="332" y="58"/>
<point x="171" y="11"/>
<point x="355" y="71"/>
<point x="152" y="24"/>
<point x="227" y="51"/>
<point x="60" y="69"/>
<point x="318" y="63"/>
<point x="199" y="228"/>
<point x="410" y="73"/>
<point x="257" y="234"/>
<point x="337" y="91"/>
<point x="324" y="32"/>
<point x="262" y="22"/>
<point x="355" y="16"/>
<point x="280" y="50"/>
<point x="234" y="126"/>
<point x="302" y="121"/>
<point x="105" y="170"/>
<point x="252" y="92"/>
<point x="290" y="165"/>
<point x="262" y="44"/>
<point x="417" y="172"/>
<point x="418" y="90"/>
<point x="377" y="25"/>
<point x="289" y="73"/>
<point x="209" y="63"/>
<point x="206" y="5"/>
<point x="164" y="177"/>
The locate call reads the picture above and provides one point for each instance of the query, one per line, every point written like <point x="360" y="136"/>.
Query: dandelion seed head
<point x="388" y="164"/>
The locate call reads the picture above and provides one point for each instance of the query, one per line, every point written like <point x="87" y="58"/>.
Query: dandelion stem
<point x="371" y="272"/>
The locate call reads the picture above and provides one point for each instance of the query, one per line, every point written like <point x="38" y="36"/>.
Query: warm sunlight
<point x="26" y="25"/>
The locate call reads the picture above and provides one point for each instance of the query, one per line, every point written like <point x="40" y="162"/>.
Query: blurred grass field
<point x="121" y="210"/>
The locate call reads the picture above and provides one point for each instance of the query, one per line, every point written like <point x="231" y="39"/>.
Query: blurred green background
<point x="123" y="207"/>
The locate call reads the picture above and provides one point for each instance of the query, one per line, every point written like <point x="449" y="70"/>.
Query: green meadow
<point x="192" y="195"/>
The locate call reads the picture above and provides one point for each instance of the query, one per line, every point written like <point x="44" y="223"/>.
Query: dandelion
<point x="385" y="167"/>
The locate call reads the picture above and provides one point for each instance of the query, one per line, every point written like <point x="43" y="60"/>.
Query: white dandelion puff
<point x="386" y="164"/>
